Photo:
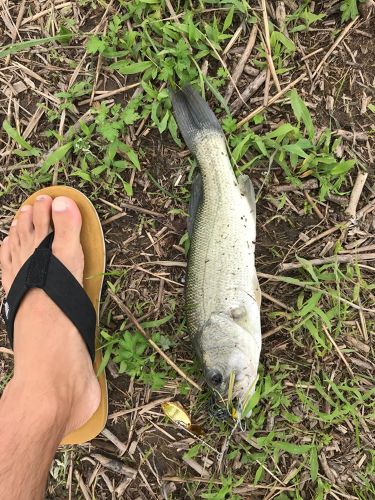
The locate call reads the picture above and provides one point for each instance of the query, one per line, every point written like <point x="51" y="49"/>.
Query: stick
<point x="5" y="350"/>
<point x="268" y="47"/>
<point x="248" y="92"/>
<point x="241" y="63"/>
<point x="276" y="301"/>
<point x="100" y="95"/>
<point x="337" y="349"/>
<point x="311" y="54"/>
<point x="343" y="34"/>
<point x="115" y="440"/>
<point x="324" y="234"/>
<point x="132" y="318"/>
<point x="221" y="61"/>
<point x="351" y="136"/>
<point x="129" y="206"/>
<point x="44" y="12"/>
<point x="82" y="485"/>
<point x="16" y="27"/>
<point x="143" y="408"/>
<point x="267" y="87"/>
<point x="286" y="188"/>
<point x="234" y="38"/>
<point x="314" y="205"/>
<point x="367" y="248"/>
<point x="356" y="194"/>
<point x="273" y="99"/>
<point x="340" y="259"/>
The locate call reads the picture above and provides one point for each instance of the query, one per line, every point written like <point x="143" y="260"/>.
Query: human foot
<point x="50" y="355"/>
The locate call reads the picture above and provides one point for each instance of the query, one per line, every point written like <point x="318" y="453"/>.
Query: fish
<point x="222" y="294"/>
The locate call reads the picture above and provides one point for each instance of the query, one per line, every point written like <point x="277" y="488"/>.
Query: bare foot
<point x="50" y="356"/>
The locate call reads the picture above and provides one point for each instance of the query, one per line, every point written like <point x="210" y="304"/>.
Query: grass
<point x="310" y="432"/>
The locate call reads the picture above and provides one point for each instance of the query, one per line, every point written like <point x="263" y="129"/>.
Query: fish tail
<point x="194" y="117"/>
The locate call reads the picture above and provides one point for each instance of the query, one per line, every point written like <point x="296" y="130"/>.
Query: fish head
<point x="227" y="348"/>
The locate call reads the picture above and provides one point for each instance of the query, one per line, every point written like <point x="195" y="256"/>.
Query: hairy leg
<point x="54" y="389"/>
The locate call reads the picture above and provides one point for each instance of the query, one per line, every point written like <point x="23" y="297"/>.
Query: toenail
<point x="41" y="197"/>
<point x="59" y="205"/>
<point x="14" y="223"/>
<point x="25" y="208"/>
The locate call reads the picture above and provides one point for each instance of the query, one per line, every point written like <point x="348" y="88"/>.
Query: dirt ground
<point x="146" y="263"/>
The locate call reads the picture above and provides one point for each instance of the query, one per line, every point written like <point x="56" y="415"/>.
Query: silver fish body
<point x="222" y="294"/>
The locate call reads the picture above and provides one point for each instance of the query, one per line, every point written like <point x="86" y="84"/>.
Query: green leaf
<point x="83" y="175"/>
<point x="56" y="156"/>
<point x="295" y="149"/>
<point x="66" y="35"/>
<point x="309" y="268"/>
<point x="342" y="167"/>
<point x="281" y="131"/>
<point x="349" y="10"/>
<point x="128" y="188"/>
<point x="193" y="452"/>
<point x="301" y="112"/>
<point x="311" y="304"/>
<point x="229" y="19"/>
<point x="105" y="359"/>
<point x="131" y="154"/>
<point x="314" y="466"/>
<point x="95" y="44"/>
<point x="312" y="329"/>
<point x="14" y="134"/>
<point x="294" y="449"/>
<point x="157" y="322"/>
<point x="277" y="36"/>
<point x="19" y="47"/>
<point x="258" y="475"/>
<point x="109" y="130"/>
<point x="126" y="68"/>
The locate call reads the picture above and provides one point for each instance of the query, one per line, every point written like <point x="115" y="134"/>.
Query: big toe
<point x="67" y="223"/>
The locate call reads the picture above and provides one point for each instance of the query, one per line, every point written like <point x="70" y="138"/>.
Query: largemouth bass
<point x="222" y="292"/>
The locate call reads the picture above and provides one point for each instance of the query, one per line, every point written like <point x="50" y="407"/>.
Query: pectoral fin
<point x="247" y="190"/>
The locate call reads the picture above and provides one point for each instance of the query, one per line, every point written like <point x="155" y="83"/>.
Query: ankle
<point x="35" y="403"/>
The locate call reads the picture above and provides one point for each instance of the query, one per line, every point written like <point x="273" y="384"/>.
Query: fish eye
<point x="215" y="377"/>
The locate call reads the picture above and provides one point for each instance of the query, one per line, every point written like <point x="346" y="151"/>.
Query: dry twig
<point x="356" y="194"/>
<point x="273" y="99"/>
<point x="241" y="63"/>
<point x="340" y="259"/>
<point x="343" y="34"/>
<point x="248" y="92"/>
<point x="267" y="47"/>
<point x="337" y="349"/>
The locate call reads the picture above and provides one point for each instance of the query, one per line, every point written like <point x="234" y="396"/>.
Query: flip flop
<point x="81" y="305"/>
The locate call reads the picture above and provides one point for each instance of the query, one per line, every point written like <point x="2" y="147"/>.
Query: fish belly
<point x="221" y="271"/>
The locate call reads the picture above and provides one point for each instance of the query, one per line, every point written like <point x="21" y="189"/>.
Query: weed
<point x="296" y="149"/>
<point x="131" y="351"/>
<point x="349" y="9"/>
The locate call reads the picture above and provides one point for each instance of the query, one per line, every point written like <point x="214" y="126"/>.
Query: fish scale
<point x="221" y="263"/>
<point x="222" y="290"/>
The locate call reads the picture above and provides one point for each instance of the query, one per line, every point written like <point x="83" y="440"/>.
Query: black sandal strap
<point x="43" y="270"/>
